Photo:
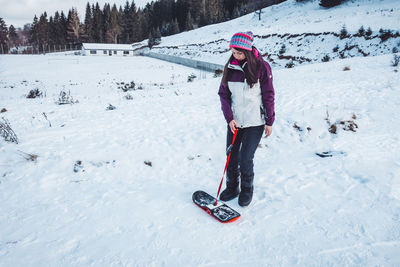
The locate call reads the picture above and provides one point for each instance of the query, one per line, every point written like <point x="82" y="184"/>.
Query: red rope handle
<point x="226" y="166"/>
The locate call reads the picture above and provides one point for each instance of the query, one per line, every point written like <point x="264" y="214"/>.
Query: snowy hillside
<point x="299" y="33"/>
<point x="107" y="152"/>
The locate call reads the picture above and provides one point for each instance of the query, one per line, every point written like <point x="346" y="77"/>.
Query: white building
<point x="96" y="49"/>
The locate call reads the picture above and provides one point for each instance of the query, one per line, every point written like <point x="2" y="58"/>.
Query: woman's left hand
<point x="268" y="130"/>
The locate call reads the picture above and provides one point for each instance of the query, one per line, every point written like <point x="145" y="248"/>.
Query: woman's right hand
<point x="233" y="125"/>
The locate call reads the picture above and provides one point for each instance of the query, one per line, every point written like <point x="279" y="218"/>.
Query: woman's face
<point x="239" y="55"/>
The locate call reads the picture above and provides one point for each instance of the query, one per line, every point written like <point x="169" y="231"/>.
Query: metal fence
<point x="39" y="49"/>
<point x="197" y="64"/>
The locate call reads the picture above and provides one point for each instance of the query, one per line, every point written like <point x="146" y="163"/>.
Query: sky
<point x="20" y="12"/>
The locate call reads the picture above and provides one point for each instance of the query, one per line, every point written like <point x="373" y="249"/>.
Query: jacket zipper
<point x="243" y="89"/>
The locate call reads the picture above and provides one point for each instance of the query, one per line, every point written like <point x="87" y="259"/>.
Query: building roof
<point x="99" y="46"/>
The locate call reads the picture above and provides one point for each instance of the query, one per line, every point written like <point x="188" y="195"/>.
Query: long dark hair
<point x="251" y="69"/>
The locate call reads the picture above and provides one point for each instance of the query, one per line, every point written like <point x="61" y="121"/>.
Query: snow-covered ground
<point x="117" y="210"/>
<point x="89" y="185"/>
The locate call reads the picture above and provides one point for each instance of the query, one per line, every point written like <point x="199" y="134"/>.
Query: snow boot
<point x="245" y="196"/>
<point x="231" y="191"/>
<point x="246" y="191"/>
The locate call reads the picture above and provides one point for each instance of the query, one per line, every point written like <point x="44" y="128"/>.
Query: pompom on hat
<point x="242" y="40"/>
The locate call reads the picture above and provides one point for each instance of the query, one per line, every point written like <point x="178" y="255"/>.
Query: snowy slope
<point x="308" y="32"/>
<point x="90" y="186"/>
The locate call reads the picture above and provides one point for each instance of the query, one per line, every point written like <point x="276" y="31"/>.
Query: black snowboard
<point x="221" y="211"/>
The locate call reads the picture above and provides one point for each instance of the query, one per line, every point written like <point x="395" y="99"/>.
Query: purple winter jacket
<point x="267" y="91"/>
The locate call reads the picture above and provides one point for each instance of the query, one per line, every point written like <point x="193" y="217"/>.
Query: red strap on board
<point x="226" y="166"/>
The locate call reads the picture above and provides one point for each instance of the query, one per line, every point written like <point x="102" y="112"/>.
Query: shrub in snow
<point x="395" y="61"/>
<point x="346" y="125"/>
<point x="6" y="132"/>
<point x="28" y="156"/>
<point x="368" y="32"/>
<point x="110" y="107"/>
<point x="326" y="58"/>
<point x="395" y="50"/>
<point x="361" y="31"/>
<point x="127" y="86"/>
<point x="154" y="37"/>
<point x="34" y="93"/>
<point x="343" y="33"/>
<point x="290" y="64"/>
<point x="349" y="125"/>
<point x="65" y="98"/>
<point x="283" y="49"/>
<point x="384" y="35"/>
<point x="297" y="127"/>
<point x="191" y="77"/>
<point x="78" y="166"/>
<point x="333" y="129"/>
<point x="218" y="73"/>
<point x="129" y="97"/>
<point x="336" y="48"/>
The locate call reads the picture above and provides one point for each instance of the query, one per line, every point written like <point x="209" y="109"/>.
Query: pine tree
<point x="62" y="28"/>
<point x="203" y="20"/>
<point x="189" y="22"/>
<point x="52" y="32"/>
<point x="126" y="24"/>
<point x="12" y="35"/>
<point x="115" y="30"/>
<point x="214" y="11"/>
<point x="158" y="14"/>
<point x="165" y="29"/>
<point x="138" y="27"/>
<point x="34" y="29"/>
<point x="135" y="23"/>
<point x="3" y="36"/>
<point x="150" y="41"/>
<point x="106" y="21"/>
<point x="175" y="27"/>
<point x="157" y="36"/>
<point x="145" y="22"/>
<point x="154" y="37"/>
<point x="74" y="30"/>
<point x="43" y="32"/>
<point x="197" y="9"/>
<point x="235" y="13"/>
<point x="98" y="24"/>
<point x="56" y="21"/>
<point x="164" y="8"/>
<point x="229" y="6"/>
<point x="182" y="9"/>
<point x="88" y="23"/>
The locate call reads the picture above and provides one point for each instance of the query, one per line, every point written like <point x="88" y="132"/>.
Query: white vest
<point x="247" y="106"/>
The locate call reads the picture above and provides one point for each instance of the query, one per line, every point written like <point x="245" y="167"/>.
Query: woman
<point x="247" y="101"/>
